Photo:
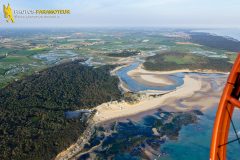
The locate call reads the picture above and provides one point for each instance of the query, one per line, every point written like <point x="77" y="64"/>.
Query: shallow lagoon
<point x="135" y="86"/>
<point x="177" y="78"/>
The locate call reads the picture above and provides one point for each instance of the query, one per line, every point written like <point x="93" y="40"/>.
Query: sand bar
<point x="159" y="78"/>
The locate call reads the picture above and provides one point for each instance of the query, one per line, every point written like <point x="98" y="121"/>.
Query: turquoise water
<point x="194" y="140"/>
<point x="130" y="139"/>
<point x="193" y="143"/>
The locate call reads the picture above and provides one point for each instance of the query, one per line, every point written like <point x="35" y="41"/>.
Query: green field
<point x="185" y="59"/>
<point x="15" y="60"/>
<point x="175" y="60"/>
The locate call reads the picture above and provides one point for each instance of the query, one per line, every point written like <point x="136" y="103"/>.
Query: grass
<point x="2" y="71"/>
<point x="15" y="59"/>
<point x="185" y="59"/>
<point x="5" y="80"/>
<point x="30" y="52"/>
<point x="174" y="60"/>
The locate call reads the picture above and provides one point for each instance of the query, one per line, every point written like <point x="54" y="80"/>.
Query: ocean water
<point x="131" y="139"/>
<point x="194" y="140"/>
<point x="135" y="139"/>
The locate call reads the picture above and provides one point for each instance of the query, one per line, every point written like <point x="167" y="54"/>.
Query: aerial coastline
<point x="194" y="91"/>
<point x="113" y="110"/>
<point x="150" y="73"/>
<point x="192" y="84"/>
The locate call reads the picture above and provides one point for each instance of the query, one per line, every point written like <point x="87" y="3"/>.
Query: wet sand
<point x="159" y="78"/>
<point x="188" y="43"/>
<point x="152" y="79"/>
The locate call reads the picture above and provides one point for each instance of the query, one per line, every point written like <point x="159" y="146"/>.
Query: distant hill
<point x="214" y="41"/>
<point x="175" y="60"/>
<point x="32" y="122"/>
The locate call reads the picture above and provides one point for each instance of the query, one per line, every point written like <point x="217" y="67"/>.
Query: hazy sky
<point x="133" y="13"/>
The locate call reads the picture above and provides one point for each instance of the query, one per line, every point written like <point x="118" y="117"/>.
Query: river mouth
<point x="145" y="137"/>
<point x="176" y="79"/>
<point x="135" y="86"/>
<point x="161" y="134"/>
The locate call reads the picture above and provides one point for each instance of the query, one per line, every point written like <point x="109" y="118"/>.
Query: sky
<point x="131" y="13"/>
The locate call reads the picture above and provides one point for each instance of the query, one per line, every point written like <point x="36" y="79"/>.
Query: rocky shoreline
<point x="144" y="143"/>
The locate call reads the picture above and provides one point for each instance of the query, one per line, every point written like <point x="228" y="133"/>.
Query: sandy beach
<point x="112" y="110"/>
<point x="188" y="43"/>
<point x="196" y="93"/>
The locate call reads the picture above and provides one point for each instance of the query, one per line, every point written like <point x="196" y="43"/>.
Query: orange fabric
<point x="222" y="120"/>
